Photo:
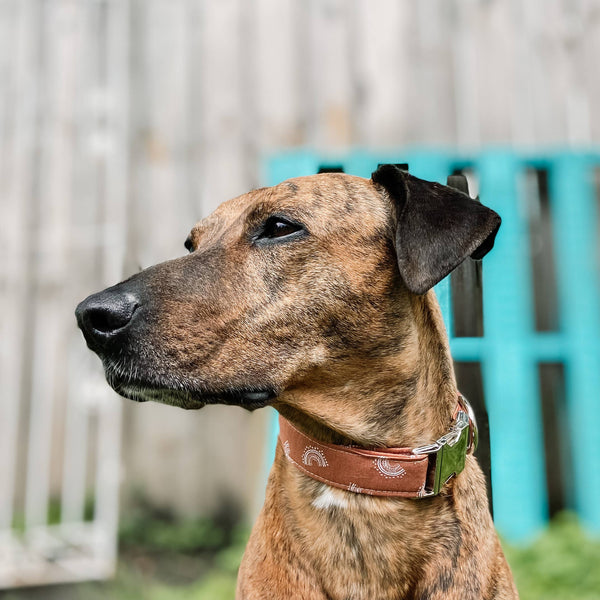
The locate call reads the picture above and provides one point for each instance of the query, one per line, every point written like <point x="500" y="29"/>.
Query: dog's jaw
<point x="139" y="393"/>
<point x="132" y="386"/>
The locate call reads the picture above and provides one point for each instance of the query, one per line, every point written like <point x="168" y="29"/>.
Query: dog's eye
<point x="278" y="227"/>
<point x="189" y="245"/>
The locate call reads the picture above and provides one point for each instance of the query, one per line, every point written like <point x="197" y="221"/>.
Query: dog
<point x="314" y="296"/>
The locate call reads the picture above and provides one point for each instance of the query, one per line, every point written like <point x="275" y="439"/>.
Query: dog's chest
<point x="356" y="544"/>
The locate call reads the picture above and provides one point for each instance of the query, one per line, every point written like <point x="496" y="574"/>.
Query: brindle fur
<point x="327" y="324"/>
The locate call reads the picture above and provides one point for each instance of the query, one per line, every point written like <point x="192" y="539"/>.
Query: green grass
<point x="173" y="559"/>
<point x="562" y="564"/>
<point x="209" y="567"/>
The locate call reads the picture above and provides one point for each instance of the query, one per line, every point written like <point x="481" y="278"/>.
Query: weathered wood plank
<point x="160" y="114"/>
<point x="331" y="90"/>
<point x="224" y="157"/>
<point x="547" y="76"/>
<point x="467" y="56"/>
<point x="432" y="73"/>
<point x="115" y="51"/>
<point x="277" y="94"/>
<point x="15" y="184"/>
<point x="493" y="28"/>
<point x="59" y="64"/>
<point x="575" y="23"/>
<point x="589" y="64"/>
<point x="382" y="72"/>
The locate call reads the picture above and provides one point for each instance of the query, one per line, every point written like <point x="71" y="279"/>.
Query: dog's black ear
<point x="437" y="227"/>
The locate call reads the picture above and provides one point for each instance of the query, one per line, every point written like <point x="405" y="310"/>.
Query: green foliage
<point x="165" y="558"/>
<point x="215" y="581"/>
<point x="562" y="564"/>
<point x="172" y="536"/>
<point x="157" y="530"/>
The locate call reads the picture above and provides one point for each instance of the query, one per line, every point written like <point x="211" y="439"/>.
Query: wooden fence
<point x="122" y="122"/>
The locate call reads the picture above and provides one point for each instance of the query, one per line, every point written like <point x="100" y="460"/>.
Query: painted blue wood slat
<point x="291" y="164"/>
<point x="575" y="233"/>
<point x="543" y="347"/>
<point x="511" y="349"/>
<point x="510" y="376"/>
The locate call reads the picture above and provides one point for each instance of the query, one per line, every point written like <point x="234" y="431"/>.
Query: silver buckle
<point x="450" y="438"/>
<point x="474" y="431"/>
<point x="449" y="454"/>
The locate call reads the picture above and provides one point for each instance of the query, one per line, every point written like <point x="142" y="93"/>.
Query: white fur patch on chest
<point x="330" y="498"/>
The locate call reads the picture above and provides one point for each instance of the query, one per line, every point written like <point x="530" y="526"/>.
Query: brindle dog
<point x="313" y="296"/>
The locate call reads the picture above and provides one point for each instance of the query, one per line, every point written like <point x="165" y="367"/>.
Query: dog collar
<point x="404" y="472"/>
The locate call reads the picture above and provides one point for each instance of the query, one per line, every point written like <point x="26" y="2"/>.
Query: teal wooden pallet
<point x="511" y="349"/>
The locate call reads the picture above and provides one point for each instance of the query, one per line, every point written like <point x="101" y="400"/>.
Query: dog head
<point x="285" y="287"/>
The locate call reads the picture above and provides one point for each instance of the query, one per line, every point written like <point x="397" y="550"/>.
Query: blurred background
<point x="123" y="122"/>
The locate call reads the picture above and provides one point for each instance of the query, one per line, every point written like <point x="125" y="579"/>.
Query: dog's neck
<point x="335" y="526"/>
<point x="412" y="392"/>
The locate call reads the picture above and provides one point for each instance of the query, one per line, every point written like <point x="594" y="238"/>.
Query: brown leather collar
<point x="402" y="472"/>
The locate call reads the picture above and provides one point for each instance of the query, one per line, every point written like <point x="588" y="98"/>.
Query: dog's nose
<point x="104" y="316"/>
